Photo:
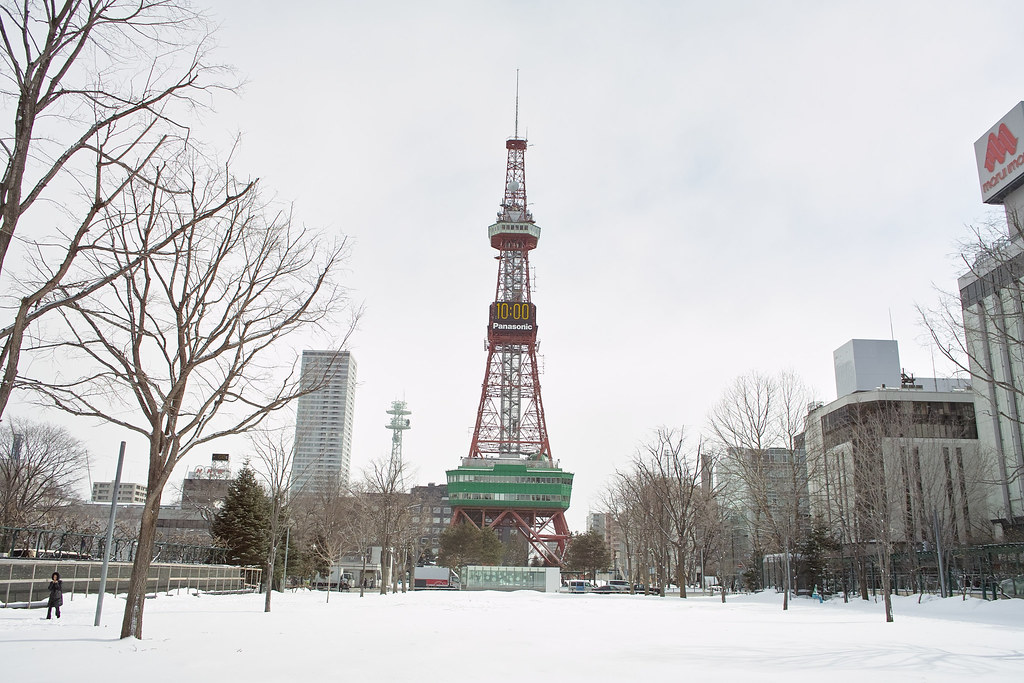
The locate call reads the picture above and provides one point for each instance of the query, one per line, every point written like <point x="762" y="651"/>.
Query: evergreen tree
<point x="587" y="553"/>
<point x="752" y="574"/>
<point x="242" y="525"/>
<point x="516" y="552"/>
<point x="465" y="544"/>
<point x="815" y="551"/>
<point x="491" y="548"/>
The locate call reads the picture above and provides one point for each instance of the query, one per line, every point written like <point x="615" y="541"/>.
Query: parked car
<point x="620" y="586"/>
<point x="606" y="590"/>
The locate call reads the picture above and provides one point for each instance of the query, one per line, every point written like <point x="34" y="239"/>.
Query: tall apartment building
<point x="323" y="423"/>
<point x="127" y="493"/>
<point x="991" y="298"/>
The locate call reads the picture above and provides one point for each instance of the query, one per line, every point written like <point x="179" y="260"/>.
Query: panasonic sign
<point x="1000" y="155"/>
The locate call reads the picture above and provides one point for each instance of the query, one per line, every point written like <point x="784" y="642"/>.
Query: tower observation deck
<point x="509" y="478"/>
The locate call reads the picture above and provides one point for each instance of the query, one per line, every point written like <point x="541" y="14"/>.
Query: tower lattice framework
<point x="510" y="430"/>
<point x="510" y="419"/>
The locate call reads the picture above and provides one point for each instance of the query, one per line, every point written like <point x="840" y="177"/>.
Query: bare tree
<point x="97" y="89"/>
<point x="40" y="463"/>
<point x="759" y="425"/>
<point x="360" y="530"/>
<point x="285" y="479"/>
<point x="614" y="502"/>
<point x="645" y="500"/>
<point x="329" y="511"/>
<point x="185" y="347"/>
<point x="417" y="527"/>
<point x="275" y="454"/>
<point x="389" y="508"/>
<point x="674" y="477"/>
<point x="879" y="442"/>
<point x="710" y="530"/>
<point x="899" y="471"/>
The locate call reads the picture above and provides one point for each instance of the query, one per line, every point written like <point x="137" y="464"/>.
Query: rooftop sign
<point x="1000" y="155"/>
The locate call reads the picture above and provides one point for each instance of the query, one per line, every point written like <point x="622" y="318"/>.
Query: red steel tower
<point x="509" y="478"/>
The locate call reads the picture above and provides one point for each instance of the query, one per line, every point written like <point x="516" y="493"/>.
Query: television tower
<point x="509" y="478"/>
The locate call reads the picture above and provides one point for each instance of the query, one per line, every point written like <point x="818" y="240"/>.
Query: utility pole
<point x="938" y="554"/>
<point x="110" y="537"/>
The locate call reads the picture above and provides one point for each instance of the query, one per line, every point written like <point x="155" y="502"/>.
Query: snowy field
<point x="525" y="636"/>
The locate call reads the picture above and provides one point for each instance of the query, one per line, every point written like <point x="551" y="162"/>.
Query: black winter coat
<point x="56" y="594"/>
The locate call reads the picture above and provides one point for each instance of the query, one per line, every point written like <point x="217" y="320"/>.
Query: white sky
<point x="722" y="187"/>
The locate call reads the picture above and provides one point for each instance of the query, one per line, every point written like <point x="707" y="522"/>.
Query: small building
<point x="128" y="493"/>
<point x="543" y="579"/>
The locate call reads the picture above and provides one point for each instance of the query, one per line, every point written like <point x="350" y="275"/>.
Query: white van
<point x="578" y="586"/>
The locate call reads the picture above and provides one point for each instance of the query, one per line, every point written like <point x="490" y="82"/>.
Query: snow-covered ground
<point x="525" y="636"/>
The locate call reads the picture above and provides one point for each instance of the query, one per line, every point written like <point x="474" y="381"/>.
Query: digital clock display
<point x="512" y="319"/>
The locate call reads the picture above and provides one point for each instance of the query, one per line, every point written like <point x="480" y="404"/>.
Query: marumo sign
<point x="1000" y="155"/>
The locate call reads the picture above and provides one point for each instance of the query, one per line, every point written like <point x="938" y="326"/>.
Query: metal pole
<point x="284" y="578"/>
<point x="938" y="554"/>
<point x="110" y="536"/>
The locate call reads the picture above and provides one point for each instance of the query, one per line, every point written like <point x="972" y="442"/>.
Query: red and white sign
<point x="1000" y="154"/>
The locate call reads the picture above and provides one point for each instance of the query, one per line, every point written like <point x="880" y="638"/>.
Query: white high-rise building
<point x="323" y="424"/>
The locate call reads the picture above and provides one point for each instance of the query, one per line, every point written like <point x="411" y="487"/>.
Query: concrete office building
<point x="604" y="524"/>
<point x="911" y="449"/>
<point x="990" y="296"/>
<point x="781" y="474"/>
<point x="206" y="487"/>
<point x="127" y="493"/>
<point x="431" y="515"/>
<point x="323" y="423"/>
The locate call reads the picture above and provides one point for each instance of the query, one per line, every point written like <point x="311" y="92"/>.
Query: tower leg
<point x="546" y="531"/>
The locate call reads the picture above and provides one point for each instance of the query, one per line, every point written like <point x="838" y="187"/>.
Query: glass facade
<point x="506" y="578"/>
<point x="922" y="419"/>
<point x="509" y="485"/>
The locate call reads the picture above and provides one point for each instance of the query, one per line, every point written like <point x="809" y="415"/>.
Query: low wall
<point x="26" y="581"/>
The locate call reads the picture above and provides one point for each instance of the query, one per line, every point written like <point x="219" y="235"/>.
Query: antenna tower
<point x="399" y="423"/>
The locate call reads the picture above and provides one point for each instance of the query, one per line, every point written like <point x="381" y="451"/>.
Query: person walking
<point x="56" y="595"/>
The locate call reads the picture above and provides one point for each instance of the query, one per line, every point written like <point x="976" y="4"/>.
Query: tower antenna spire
<point x="517" y="105"/>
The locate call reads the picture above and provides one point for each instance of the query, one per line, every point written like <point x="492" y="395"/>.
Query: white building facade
<point x="993" y="316"/>
<point x="127" y="493"/>
<point x="907" y="445"/>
